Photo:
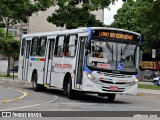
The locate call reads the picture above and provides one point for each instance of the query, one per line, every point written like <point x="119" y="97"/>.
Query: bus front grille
<point x="110" y="82"/>
<point x="114" y="75"/>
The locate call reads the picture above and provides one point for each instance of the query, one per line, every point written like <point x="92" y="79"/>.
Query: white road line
<point x="30" y="105"/>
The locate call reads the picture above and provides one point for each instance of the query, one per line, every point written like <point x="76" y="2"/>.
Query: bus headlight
<point x="136" y="80"/>
<point x="133" y="82"/>
<point x="90" y="77"/>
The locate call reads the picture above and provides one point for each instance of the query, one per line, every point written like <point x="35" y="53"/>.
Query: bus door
<point x="48" y="60"/>
<point x="80" y="61"/>
<point x="26" y="58"/>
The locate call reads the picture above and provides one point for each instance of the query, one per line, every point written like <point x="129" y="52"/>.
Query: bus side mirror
<point x="140" y="60"/>
<point x="140" y="68"/>
<point x="88" y="45"/>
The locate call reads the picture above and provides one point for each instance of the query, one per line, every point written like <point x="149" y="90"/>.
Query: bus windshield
<point x="113" y="56"/>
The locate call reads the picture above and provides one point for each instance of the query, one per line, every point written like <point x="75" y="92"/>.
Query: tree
<point x="9" y="46"/>
<point x="16" y="11"/>
<point x="136" y="16"/>
<point x="76" y="13"/>
<point x="151" y="18"/>
<point x="72" y="17"/>
<point x="129" y="17"/>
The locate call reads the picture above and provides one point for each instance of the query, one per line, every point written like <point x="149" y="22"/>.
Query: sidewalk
<point x="140" y="91"/>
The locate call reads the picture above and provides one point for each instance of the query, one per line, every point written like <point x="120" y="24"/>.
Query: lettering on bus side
<point x="63" y="66"/>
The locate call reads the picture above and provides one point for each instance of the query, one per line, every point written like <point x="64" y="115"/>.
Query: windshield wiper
<point x="109" y="48"/>
<point x="124" y="49"/>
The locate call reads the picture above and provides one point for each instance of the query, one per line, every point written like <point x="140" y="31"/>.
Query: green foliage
<point x="141" y="16"/>
<point x="73" y="17"/>
<point x="147" y="86"/>
<point x="13" y="12"/>
<point x="70" y="16"/>
<point x="2" y="33"/>
<point x="128" y="16"/>
<point x="76" y="13"/>
<point x="9" y="46"/>
<point x="151" y="19"/>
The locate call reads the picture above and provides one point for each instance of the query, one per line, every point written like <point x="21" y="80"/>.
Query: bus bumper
<point x="89" y="86"/>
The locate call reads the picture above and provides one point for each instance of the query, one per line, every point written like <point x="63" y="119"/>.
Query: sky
<point x="108" y="14"/>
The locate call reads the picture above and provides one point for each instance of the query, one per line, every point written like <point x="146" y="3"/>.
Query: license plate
<point x="113" y="88"/>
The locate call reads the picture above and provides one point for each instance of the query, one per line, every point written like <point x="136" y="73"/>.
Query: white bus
<point x="91" y="60"/>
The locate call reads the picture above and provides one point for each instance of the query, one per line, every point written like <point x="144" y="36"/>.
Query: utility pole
<point x="153" y="57"/>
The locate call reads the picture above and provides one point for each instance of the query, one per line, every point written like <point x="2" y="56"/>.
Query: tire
<point x="111" y="97"/>
<point x="155" y="83"/>
<point x="68" y="91"/>
<point x="35" y="86"/>
<point x="158" y="82"/>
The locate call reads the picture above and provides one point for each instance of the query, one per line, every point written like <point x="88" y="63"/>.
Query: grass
<point x="147" y="86"/>
<point x="11" y="75"/>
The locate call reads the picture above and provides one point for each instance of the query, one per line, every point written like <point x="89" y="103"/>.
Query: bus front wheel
<point x="111" y="97"/>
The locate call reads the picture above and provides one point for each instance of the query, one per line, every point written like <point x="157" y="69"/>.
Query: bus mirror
<point x="140" y="68"/>
<point x="140" y="59"/>
<point x="76" y="41"/>
<point x="88" y="45"/>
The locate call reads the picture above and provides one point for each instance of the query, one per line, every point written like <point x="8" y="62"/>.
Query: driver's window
<point x="126" y="55"/>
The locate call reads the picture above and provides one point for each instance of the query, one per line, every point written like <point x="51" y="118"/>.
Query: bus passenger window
<point x="70" y="49"/>
<point x="59" y="51"/>
<point x="42" y="46"/>
<point x="34" y="46"/>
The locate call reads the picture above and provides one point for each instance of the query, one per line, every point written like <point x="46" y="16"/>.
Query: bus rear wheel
<point x="68" y="89"/>
<point x="35" y="85"/>
<point x="111" y="97"/>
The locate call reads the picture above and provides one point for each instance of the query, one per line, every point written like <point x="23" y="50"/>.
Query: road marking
<point x="140" y="94"/>
<point x="25" y="94"/>
<point x="30" y="105"/>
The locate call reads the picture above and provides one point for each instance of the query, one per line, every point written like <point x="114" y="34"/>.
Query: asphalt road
<point x="53" y="100"/>
<point x="8" y="93"/>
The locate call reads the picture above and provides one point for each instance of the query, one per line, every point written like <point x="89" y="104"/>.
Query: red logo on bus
<point x="66" y="66"/>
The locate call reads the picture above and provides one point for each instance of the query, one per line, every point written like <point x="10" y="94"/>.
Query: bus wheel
<point x="111" y="97"/>
<point x="159" y="82"/>
<point x="35" y="86"/>
<point x="68" y="89"/>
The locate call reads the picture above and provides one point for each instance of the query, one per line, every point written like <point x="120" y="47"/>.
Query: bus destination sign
<point x="115" y="35"/>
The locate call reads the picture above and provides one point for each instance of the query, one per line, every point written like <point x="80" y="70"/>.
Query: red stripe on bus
<point x="42" y="59"/>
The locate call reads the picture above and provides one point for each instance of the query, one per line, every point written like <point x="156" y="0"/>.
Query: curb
<point x="148" y="91"/>
<point x="25" y="94"/>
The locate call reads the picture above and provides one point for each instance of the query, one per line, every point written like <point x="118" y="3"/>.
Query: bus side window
<point x="70" y="48"/>
<point x="41" y="46"/>
<point x="66" y="46"/>
<point x="59" y="51"/>
<point x="34" y="46"/>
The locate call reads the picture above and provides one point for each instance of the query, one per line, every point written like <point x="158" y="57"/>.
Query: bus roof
<point x="81" y="29"/>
